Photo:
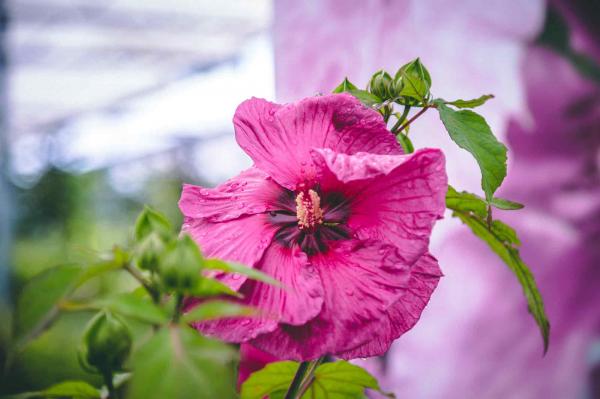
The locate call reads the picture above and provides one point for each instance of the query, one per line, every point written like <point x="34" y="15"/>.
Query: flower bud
<point x="106" y="343"/>
<point x="148" y="252"/>
<point x="381" y="85"/>
<point x="181" y="265"/>
<point x="150" y="221"/>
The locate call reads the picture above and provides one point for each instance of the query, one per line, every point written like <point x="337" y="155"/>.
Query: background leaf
<point x="133" y="306"/>
<point x="179" y="363"/>
<point x="37" y="304"/>
<point x="233" y="267"/>
<point x="207" y="287"/>
<point x="472" y="133"/>
<point x="217" y="309"/>
<point x="72" y="389"/>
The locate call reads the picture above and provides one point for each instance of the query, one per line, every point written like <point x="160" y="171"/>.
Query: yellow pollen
<point x="308" y="209"/>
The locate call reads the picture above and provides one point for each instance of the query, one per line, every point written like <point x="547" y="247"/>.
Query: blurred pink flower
<point x="336" y="212"/>
<point x="251" y="360"/>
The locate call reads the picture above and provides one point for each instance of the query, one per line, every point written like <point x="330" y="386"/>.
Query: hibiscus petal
<point x="299" y="300"/>
<point x="242" y="240"/>
<point x="251" y="192"/>
<point x="392" y="198"/>
<point x="404" y="313"/>
<point x="362" y="280"/>
<point x="279" y="138"/>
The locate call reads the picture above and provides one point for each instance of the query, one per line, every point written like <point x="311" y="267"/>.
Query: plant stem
<point x="108" y="381"/>
<point x="310" y="376"/>
<point x="411" y="120"/>
<point x="178" y="303"/>
<point x="154" y="294"/>
<point x="303" y="378"/>
<point x="294" y="388"/>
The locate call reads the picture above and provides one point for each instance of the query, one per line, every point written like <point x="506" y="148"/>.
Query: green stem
<point x="310" y="376"/>
<point x="411" y="120"/>
<point x="178" y="303"/>
<point x="401" y="119"/>
<point x="294" y="388"/>
<point x="303" y="378"/>
<point x="108" y="381"/>
<point x="154" y="294"/>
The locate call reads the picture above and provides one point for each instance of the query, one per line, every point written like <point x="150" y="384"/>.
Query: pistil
<point x="308" y="210"/>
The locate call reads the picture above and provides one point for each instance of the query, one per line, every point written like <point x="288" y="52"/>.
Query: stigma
<point x="308" y="210"/>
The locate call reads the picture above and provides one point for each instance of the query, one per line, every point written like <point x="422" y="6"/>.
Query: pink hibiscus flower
<point x="334" y="210"/>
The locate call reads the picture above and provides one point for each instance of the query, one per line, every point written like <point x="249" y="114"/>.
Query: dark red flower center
<point x="310" y="219"/>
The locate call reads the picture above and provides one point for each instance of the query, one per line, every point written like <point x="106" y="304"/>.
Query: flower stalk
<point x="304" y="377"/>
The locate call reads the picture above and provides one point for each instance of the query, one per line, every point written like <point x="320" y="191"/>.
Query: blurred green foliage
<point x="68" y="217"/>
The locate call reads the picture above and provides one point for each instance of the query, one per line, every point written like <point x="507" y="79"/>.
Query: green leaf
<point x="274" y="379"/>
<point x="217" y="309"/>
<point x="178" y="363"/>
<point x="366" y="98"/>
<point x="338" y="380"/>
<point x="505" y="233"/>
<point x="207" y="287"/>
<point x="501" y="239"/>
<point x="471" y="132"/>
<point x="476" y="102"/>
<point x="72" y="389"/>
<point x="150" y="221"/>
<point x="465" y="202"/>
<point x="97" y="269"/>
<point x="405" y="142"/>
<point x="341" y="380"/>
<point x="232" y="267"/>
<point x="37" y="305"/>
<point x="345" y="86"/>
<point x="133" y="306"/>
<point x="67" y="389"/>
<point x="415" y="79"/>
<point x="505" y="204"/>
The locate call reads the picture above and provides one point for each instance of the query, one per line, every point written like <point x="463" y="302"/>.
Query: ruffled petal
<point x="242" y="240"/>
<point x="251" y="192"/>
<point x="392" y="198"/>
<point x="299" y="300"/>
<point x="404" y="313"/>
<point x="362" y="280"/>
<point x="279" y="138"/>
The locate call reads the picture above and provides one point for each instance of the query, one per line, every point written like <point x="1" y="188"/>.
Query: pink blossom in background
<point x="477" y="340"/>
<point x="333" y="210"/>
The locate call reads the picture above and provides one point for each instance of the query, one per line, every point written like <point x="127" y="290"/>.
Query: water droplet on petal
<point x="235" y="276"/>
<point x="245" y="322"/>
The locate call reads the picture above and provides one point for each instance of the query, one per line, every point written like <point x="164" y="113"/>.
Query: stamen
<point x="308" y="209"/>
